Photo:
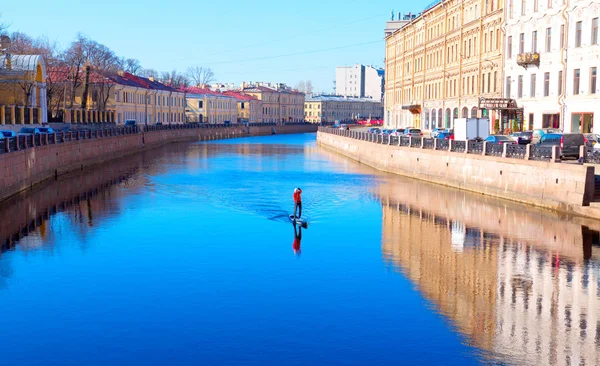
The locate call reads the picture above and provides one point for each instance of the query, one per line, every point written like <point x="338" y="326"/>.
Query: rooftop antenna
<point x="392" y="15"/>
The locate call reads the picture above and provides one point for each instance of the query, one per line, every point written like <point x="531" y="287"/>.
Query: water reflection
<point x="522" y="285"/>
<point x="297" y="239"/>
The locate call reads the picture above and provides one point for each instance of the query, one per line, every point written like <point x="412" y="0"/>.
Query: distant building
<point x="249" y="108"/>
<point x="359" y="81"/>
<point x="208" y="106"/>
<point x="279" y="102"/>
<point x="343" y="109"/>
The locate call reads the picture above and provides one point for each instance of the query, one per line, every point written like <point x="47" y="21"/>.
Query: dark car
<point x="374" y="130"/>
<point x="29" y="131"/>
<point x="570" y="144"/>
<point x="499" y="139"/>
<point x="522" y="138"/>
<point x="46" y="129"/>
<point x="130" y="123"/>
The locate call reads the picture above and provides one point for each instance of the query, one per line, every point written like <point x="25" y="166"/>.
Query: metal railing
<point x="512" y="151"/>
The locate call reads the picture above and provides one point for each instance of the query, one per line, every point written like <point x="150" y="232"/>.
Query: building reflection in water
<point x="522" y="285"/>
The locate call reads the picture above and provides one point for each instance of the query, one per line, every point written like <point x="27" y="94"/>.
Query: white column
<point x="43" y="103"/>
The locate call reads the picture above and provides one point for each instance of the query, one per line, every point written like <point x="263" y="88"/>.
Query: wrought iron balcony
<point x="528" y="59"/>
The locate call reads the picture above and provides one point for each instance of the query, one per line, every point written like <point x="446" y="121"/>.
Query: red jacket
<point x="297" y="196"/>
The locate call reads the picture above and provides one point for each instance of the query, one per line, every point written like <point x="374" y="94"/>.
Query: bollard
<point x="484" y="148"/>
<point x="555" y="154"/>
<point x="435" y="144"/>
<point x="528" y="152"/>
<point x="423" y="143"/>
<point x="582" y="153"/>
<point x="504" y="150"/>
<point x="466" y="146"/>
<point x="450" y="144"/>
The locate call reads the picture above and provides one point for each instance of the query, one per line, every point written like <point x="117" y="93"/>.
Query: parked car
<point x="385" y="132"/>
<point x="414" y="132"/>
<point x="8" y="133"/>
<point x="499" y="139"/>
<point x="46" y="129"/>
<point x="344" y="127"/>
<point x="29" y="131"/>
<point x="397" y="132"/>
<point x="522" y="138"/>
<point x="436" y="131"/>
<point x="445" y="135"/>
<point x="130" y="123"/>
<point x="374" y="130"/>
<point x="538" y="133"/>
<point x="591" y="139"/>
<point x="570" y="144"/>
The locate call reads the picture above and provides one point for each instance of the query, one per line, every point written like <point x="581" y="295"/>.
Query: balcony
<point x="528" y="59"/>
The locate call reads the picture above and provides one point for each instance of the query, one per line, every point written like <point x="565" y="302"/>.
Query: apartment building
<point x="249" y="108"/>
<point x="552" y="56"/>
<point x="343" y="109"/>
<point x="208" y="106"/>
<point x="439" y="64"/>
<point x="359" y="81"/>
<point x="279" y="103"/>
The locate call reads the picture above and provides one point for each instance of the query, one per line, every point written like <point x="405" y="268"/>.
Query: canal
<point x="185" y="255"/>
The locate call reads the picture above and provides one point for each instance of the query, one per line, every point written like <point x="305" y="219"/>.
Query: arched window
<point x="474" y="112"/>
<point x="447" y="119"/>
<point x="433" y="119"/>
<point x="439" y="118"/>
<point x="465" y="112"/>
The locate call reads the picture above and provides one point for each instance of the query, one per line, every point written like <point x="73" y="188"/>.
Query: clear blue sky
<point x="227" y="36"/>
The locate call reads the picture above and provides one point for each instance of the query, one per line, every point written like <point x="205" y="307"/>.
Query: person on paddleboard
<point x="298" y="202"/>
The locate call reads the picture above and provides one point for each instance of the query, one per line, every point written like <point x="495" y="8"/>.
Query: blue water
<point x="190" y="260"/>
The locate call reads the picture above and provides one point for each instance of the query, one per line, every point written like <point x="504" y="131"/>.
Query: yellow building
<point x="335" y="108"/>
<point x="22" y="88"/>
<point x="207" y="106"/>
<point x="279" y="103"/>
<point x="121" y="96"/>
<point x="441" y="62"/>
<point x="249" y="108"/>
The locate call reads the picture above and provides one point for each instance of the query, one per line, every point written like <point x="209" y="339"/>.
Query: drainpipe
<point x="503" y="69"/>
<point x="445" y="89"/>
<point x="563" y="61"/>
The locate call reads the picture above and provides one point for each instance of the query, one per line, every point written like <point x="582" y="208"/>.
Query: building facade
<point x="249" y="108"/>
<point x="335" y="108"/>
<point x="207" y="106"/>
<point x="279" y="103"/>
<point x="22" y="88"/>
<point x="441" y="63"/>
<point x="552" y="57"/>
<point x="359" y="81"/>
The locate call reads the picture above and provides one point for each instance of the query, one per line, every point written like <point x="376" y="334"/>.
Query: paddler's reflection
<point x="297" y="239"/>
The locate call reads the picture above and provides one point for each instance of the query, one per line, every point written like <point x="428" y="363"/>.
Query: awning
<point x="413" y="108"/>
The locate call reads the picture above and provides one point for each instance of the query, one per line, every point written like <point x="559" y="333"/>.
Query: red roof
<point x="240" y="96"/>
<point x="203" y="91"/>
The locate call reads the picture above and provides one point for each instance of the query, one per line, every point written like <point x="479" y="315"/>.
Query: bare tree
<point x="309" y="87"/>
<point x="301" y="86"/>
<point x="174" y="79"/>
<point x="131" y="66"/>
<point x="200" y="76"/>
<point x="74" y="61"/>
<point x="149" y="73"/>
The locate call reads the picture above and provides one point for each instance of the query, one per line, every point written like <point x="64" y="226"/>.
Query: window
<point x="576" y="74"/>
<point x="522" y="43"/>
<point x="562" y="36"/>
<point x="523" y="3"/>
<point x="532" y="86"/>
<point x="578" y="34"/>
<point x="535" y="5"/>
<point x="520" y="87"/>
<point x="549" y="4"/>
<point x="200" y="104"/>
<point x="548" y="39"/>
<point x="508" y="81"/>
<point x="495" y="78"/>
<point x="560" y="82"/>
<point x="593" y="74"/>
<point x="510" y="9"/>
<point x="509" y="47"/>
<point x="485" y="42"/>
<point x="546" y="84"/>
<point x="473" y="84"/>
<point x="595" y="31"/>
<point x="534" y="41"/>
<point x="489" y="81"/>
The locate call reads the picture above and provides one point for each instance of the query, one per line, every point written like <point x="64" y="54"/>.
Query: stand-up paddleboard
<point x="300" y="221"/>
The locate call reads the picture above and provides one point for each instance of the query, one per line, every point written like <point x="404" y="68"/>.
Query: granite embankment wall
<point x="558" y="186"/>
<point x="21" y="169"/>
